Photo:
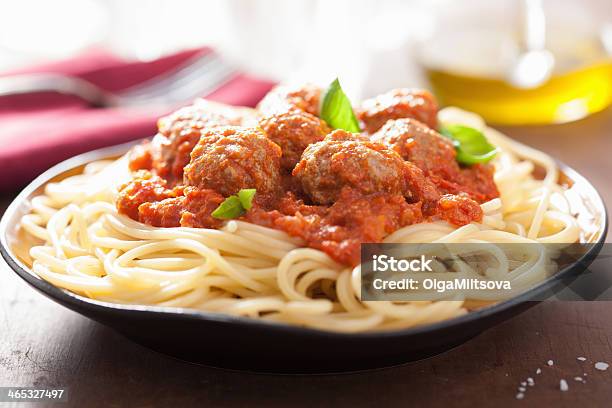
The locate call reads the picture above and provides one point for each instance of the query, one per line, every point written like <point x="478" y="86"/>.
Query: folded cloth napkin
<point x="39" y="130"/>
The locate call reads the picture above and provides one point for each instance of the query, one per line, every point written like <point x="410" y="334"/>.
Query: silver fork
<point x="198" y="76"/>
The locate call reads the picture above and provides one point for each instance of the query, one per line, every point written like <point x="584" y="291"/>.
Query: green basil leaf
<point x="337" y="110"/>
<point x="246" y="196"/>
<point x="230" y="208"/>
<point x="471" y="144"/>
<point x="235" y="205"/>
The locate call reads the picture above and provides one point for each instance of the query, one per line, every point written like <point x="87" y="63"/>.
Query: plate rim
<point x="64" y="297"/>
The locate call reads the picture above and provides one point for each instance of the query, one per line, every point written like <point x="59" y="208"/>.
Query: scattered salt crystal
<point x="550" y="362"/>
<point x="601" y="366"/>
<point x="523" y="383"/>
<point x="585" y="374"/>
<point x="530" y="381"/>
<point x="581" y="358"/>
<point x="538" y="371"/>
<point x="522" y="389"/>
<point x="563" y="385"/>
<point x="520" y="395"/>
<point x="578" y="378"/>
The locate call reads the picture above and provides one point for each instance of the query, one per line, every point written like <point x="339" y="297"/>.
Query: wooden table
<point x="43" y="344"/>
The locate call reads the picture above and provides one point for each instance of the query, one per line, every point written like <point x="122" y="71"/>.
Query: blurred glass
<point x="476" y="44"/>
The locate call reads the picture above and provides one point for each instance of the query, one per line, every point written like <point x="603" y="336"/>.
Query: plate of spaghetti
<point x="233" y="236"/>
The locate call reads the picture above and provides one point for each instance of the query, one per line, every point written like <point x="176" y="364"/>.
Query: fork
<point x="198" y="76"/>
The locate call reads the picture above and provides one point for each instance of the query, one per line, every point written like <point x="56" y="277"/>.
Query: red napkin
<point x="42" y="129"/>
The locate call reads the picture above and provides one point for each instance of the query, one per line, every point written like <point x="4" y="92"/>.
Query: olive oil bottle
<point x="470" y="70"/>
<point x="567" y="96"/>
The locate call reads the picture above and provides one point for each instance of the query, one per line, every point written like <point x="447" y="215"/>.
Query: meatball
<point x="341" y="160"/>
<point x="227" y="159"/>
<point x="180" y="131"/>
<point x="426" y="148"/>
<point x="293" y="131"/>
<point x="202" y="114"/>
<point x="397" y="104"/>
<point x="282" y="98"/>
<point x="435" y="156"/>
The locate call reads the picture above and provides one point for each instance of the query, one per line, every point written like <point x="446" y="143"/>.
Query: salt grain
<point x="538" y="371"/>
<point x="522" y="389"/>
<point x="581" y="358"/>
<point x="601" y="366"/>
<point x="523" y="383"/>
<point x="520" y="395"/>
<point x="563" y="385"/>
<point x="578" y="378"/>
<point x="550" y="362"/>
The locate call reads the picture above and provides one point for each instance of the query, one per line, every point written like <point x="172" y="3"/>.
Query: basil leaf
<point x="246" y="197"/>
<point x="230" y="208"/>
<point x="471" y="144"/>
<point x="337" y="110"/>
<point x="235" y="205"/>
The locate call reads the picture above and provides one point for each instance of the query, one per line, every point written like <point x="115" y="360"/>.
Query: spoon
<point x="534" y="65"/>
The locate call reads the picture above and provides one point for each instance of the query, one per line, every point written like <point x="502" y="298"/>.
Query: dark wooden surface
<point x="43" y="344"/>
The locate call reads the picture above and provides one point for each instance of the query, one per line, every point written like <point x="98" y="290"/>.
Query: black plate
<point x="247" y="344"/>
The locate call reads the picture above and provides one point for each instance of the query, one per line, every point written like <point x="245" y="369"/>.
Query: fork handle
<point x="67" y="85"/>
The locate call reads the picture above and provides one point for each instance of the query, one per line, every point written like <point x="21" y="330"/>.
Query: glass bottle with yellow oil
<point x="471" y="65"/>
